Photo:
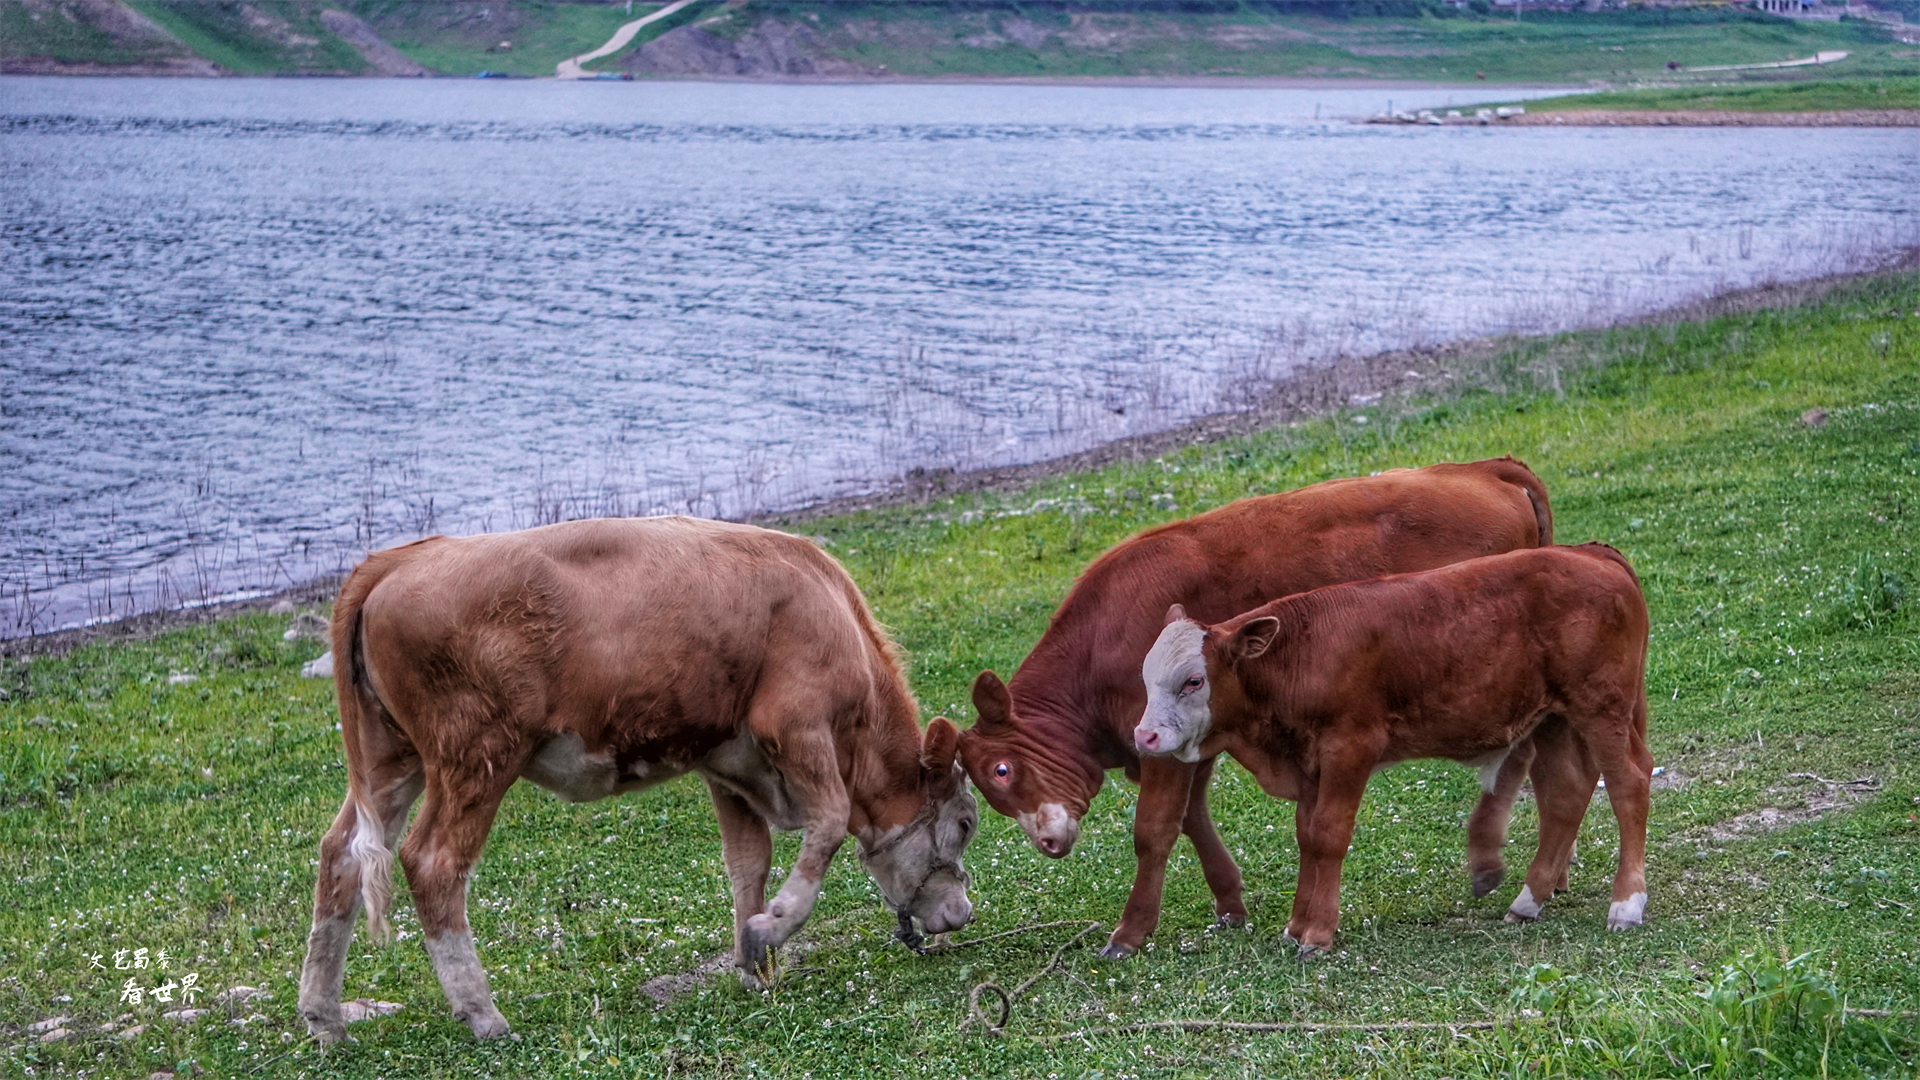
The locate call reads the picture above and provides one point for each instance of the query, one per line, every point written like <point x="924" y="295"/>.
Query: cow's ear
<point x="937" y="747"/>
<point x="1255" y="637"/>
<point x="994" y="704"/>
<point x="1174" y="615"/>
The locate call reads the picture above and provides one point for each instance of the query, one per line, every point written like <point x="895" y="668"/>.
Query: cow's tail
<point x="368" y="733"/>
<point x="1515" y="472"/>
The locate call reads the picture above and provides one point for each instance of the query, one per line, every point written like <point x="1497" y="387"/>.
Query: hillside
<point x="1421" y="41"/>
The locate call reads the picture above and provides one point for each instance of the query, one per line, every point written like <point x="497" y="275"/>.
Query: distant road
<point x="570" y="68"/>
<point x="1805" y="61"/>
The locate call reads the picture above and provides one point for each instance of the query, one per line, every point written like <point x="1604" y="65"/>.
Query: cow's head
<point x="1186" y="660"/>
<point x="1027" y="772"/>
<point x="917" y="863"/>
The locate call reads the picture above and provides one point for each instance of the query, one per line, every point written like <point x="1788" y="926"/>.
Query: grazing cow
<point x="598" y="657"/>
<point x="1041" y="747"/>
<point x="1315" y="692"/>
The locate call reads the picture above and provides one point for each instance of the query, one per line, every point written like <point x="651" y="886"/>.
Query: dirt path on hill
<point x="570" y="68"/>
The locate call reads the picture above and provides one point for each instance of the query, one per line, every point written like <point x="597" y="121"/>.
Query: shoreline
<point x="1171" y="82"/>
<point x="1301" y="394"/>
<point x="1712" y="118"/>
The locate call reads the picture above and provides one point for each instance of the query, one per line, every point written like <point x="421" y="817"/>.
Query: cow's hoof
<point x="327" y="1031"/>
<point x="1485" y="881"/>
<point x="1627" y="914"/>
<point x="1232" y="920"/>
<point x="487" y="1025"/>
<point x="1310" y="951"/>
<point x="1117" y="951"/>
<point x="759" y="956"/>
<point x="1525" y="908"/>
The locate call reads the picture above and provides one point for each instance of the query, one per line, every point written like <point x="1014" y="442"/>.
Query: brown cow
<point x="1315" y="692"/>
<point x="598" y="657"/>
<point x="1042" y="745"/>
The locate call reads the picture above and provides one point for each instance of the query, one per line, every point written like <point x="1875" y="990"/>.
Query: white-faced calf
<point x="1315" y="692"/>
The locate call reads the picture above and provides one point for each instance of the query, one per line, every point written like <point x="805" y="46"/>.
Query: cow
<point x="1315" y="692"/>
<point x="1042" y="744"/>
<point x="599" y="657"/>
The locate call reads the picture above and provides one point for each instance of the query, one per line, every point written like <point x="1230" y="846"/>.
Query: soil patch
<point x="1823" y="797"/>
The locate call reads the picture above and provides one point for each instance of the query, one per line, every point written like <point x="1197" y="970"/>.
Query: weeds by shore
<point x="1761" y="468"/>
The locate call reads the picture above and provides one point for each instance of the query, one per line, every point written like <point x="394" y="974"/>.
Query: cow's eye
<point x="1195" y="682"/>
<point x="1001" y="770"/>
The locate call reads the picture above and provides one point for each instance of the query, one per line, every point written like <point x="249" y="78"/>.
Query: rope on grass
<point x="998" y="1026"/>
<point x="1242" y="1025"/>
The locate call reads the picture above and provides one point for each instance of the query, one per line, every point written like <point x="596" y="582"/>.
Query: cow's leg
<point x="1308" y="868"/>
<point x="1487" y="828"/>
<point x="1563" y="781"/>
<point x="354" y="857"/>
<point x="806" y="760"/>
<point x="439" y="855"/>
<point x="1322" y="850"/>
<point x="747" y="846"/>
<point x="1164" y="788"/>
<point x="1628" y="767"/>
<point x="1216" y="862"/>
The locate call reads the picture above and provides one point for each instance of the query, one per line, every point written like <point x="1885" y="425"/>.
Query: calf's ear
<point x="1175" y="614"/>
<point x="937" y="747"/>
<point x="1255" y="637"/>
<point x="992" y="701"/>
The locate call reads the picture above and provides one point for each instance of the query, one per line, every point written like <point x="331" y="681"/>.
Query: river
<point x="249" y="328"/>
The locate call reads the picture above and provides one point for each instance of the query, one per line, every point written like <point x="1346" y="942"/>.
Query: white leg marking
<point x="790" y="908"/>
<point x="322" y="975"/>
<point x="1525" y="908"/>
<point x="1628" y="913"/>
<point x="457" y="963"/>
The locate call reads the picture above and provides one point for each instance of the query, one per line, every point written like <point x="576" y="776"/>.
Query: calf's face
<point x="1042" y="784"/>
<point x="1180" y="671"/>
<point x="917" y="865"/>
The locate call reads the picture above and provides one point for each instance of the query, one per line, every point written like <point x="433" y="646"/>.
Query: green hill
<point x="1420" y="40"/>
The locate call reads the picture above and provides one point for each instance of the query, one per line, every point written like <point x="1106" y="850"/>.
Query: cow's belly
<point x="563" y="766"/>
<point x="741" y="767"/>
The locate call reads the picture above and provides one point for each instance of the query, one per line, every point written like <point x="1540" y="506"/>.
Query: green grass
<point x="1822" y="95"/>
<point x="1255" y="40"/>
<point x="248" y="39"/>
<point x="59" y="33"/>
<point x="543" y="34"/>
<point x="1779" y="564"/>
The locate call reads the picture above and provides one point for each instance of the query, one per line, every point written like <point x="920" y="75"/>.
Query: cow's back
<point x="1471" y="640"/>
<point x="652" y="633"/>
<point x="1239" y="556"/>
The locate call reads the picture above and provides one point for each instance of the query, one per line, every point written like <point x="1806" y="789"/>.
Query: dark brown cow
<point x="1042" y="745"/>
<point x="598" y="657"/>
<point x="1313" y="693"/>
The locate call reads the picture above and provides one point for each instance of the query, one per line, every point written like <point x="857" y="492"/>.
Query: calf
<point x="1044" y="742"/>
<point x="599" y="657"/>
<point x="1315" y="692"/>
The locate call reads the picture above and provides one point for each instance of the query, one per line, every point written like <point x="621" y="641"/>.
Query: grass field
<point x="1820" y="95"/>
<point x="143" y="810"/>
<point x="247" y="40"/>
<point x="1004" y="38"/>
<point x="1264" y="40"/>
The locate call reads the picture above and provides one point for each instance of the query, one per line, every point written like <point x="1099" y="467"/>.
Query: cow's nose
<point x="1146" y="739"/>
